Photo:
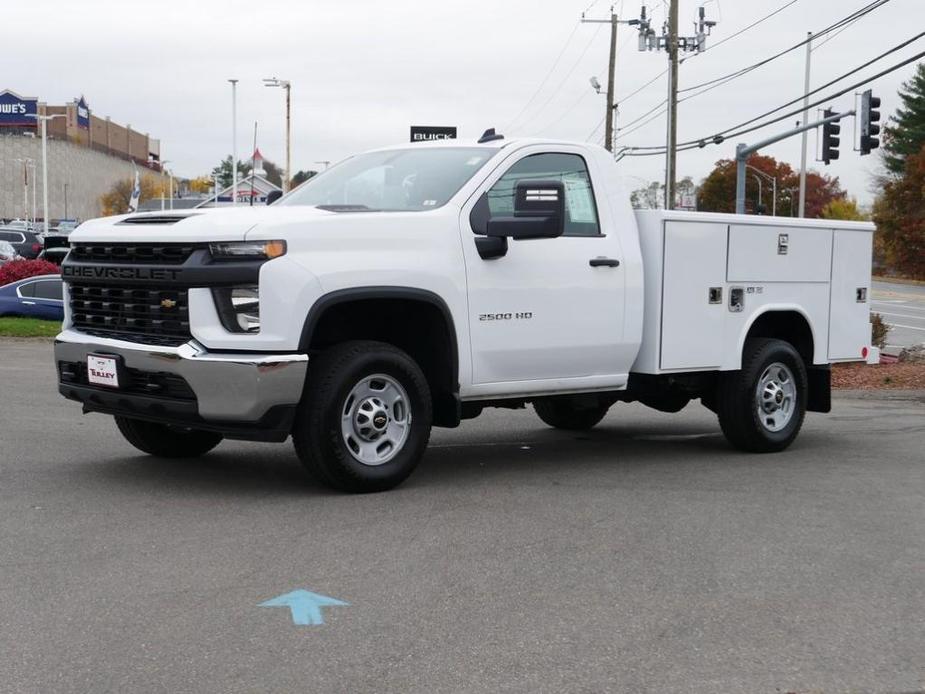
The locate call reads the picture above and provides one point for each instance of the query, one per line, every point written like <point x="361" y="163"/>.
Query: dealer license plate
<point x="102" y="371"/>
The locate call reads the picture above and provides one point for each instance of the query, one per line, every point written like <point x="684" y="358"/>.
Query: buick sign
<point x="17" y="110"/>
<point x="429" y="133"/>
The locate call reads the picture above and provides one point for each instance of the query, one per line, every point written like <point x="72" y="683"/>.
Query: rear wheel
<point x="165" y="441"/>
<point x="364" y="421"/>
<point x="566" y="413"/>
<point x="762" y="406"/>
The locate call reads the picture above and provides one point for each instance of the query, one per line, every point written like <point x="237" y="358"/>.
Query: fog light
<point x="238" y="308"/>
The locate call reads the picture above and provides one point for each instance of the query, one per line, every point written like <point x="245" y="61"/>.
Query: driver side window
<point x="580" y="209"/>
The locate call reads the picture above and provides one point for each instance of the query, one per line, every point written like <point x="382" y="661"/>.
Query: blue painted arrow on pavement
<point x="305" y="606"/>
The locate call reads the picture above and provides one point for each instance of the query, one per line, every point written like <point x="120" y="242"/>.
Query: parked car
<point x="28" y="244"/>
<point x="56" y="248"/>
<point x="66" y="226"/>
<point x="35" y="297"/>
<point x="7" y="252"/>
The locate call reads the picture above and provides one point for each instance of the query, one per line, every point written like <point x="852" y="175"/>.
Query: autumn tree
<point x="117" y="200"/>
<point x="899" y="214"/>
<point x="201" y="184"/>
<point x="845" y="209"/>
<point x="717" y="193"/>
<point x="904" y="134"/>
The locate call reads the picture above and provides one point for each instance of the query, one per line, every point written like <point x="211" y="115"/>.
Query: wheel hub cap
<point x="775" y="397"/>
<point x="376" y="419"/>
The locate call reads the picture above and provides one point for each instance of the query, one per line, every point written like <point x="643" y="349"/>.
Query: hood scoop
<point x="156" y="219"/>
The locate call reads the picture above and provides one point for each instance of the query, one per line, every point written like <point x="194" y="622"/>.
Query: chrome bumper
<point x="228" y="387"/>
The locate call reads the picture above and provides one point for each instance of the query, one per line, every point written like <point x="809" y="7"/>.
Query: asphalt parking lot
<point x="645" y="556"/>
<point x="902" y="306"/>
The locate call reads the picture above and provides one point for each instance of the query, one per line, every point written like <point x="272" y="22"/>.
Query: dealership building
<point x="87" y="155"/>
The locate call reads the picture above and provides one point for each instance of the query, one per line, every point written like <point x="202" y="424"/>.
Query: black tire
<point x="320" y="441"/>
<point x="563" y="413"/>
<point x="738" y="398"/>
<point x="166" y="441"/>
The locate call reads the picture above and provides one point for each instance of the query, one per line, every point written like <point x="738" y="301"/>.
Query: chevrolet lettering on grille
<point x="119" y="273"/>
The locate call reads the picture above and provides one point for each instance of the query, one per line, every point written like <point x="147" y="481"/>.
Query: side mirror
<point x="273" y="196"/>
<point x="539" y="212"/>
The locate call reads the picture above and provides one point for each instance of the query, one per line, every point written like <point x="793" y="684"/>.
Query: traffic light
<point x="830" y="137"/>
<point x="869" y="119"/>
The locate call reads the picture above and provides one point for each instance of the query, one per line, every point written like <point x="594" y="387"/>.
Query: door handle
<point x="29" y="303"/>
<point x="604" y="262"/>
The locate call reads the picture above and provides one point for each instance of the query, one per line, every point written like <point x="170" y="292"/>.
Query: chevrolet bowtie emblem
<point x="168" y="303"/>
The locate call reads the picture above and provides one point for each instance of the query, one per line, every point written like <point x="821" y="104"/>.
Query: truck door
<point x="546" y="308"/>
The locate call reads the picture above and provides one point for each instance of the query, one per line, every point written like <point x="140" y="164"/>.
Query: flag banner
<point x="136" y="193"/>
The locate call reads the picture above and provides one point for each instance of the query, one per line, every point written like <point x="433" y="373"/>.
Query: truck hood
<point x="187" y="226"/>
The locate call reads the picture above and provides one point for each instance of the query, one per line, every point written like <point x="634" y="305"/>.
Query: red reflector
<point x="864" y="352"/>
<point x="36" y="248"/>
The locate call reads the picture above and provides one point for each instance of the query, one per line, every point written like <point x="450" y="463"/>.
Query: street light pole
<point x="234" y="142"/>
<point x="773" y="180"/>
<point x="287" y="85"/>
<point x="809" y="53"/>
<point x="44" y="120"/>
<point x="164" y="170"/>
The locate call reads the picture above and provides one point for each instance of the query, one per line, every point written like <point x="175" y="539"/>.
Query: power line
<point x="853" y="17"/>
<point x="733" y="132"/>
<point x="718" y="43"/>
<point x="750" y="26"/>
<point x="714" y="83"/>
<point x="548" y="75"/>
<point x="830" y="83"/>
<point x="564" y="79"/>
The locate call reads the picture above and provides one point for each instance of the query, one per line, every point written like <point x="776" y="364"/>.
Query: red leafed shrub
<point x="21" y="269"/>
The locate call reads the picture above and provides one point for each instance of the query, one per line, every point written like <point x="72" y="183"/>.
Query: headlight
<point x="247" y="250"/>
<point x="238" y="308"/>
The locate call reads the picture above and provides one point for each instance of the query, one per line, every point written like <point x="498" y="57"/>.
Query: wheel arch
<point x="422" y="325"/>
<point x="791" y="324"/>
<point x="786" y="322"/>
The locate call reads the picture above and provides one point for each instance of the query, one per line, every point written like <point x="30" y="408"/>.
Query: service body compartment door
<point x="849" y="315"/>
<point x="778" y="253"/>
<point x="692" y="326"/>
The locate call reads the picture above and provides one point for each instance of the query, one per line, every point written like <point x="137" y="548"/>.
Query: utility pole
<point x="287" y="85"/>
<point x="608" y="124"/>
<point x="611" y="105"/>
<point x="809" y="52"/>
<point x="673" y="44"/>
<point x="672" y="104"/>
<point x="234" y="142"/>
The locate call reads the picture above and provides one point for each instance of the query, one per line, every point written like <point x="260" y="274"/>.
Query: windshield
<point x="394" y="180"/>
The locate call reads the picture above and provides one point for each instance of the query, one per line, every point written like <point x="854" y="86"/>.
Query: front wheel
<point x="762" y="406"/>
<point x="164" y="441"/>
<point x="365" y="418"/>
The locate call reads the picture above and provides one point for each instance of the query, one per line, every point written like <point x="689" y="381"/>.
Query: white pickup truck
<point x="417" y="285"/>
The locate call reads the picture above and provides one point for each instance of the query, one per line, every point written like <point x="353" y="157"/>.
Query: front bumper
<point x="243" y="395"/>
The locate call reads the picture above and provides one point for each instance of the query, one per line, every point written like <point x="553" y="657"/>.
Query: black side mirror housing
<point x="539" y="212"/>
<point x="273" y="196"/>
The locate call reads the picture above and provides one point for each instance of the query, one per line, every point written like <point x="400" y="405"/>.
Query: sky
<point x="363" y="71"/>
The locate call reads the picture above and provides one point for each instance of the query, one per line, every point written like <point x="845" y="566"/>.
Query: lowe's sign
<point x="17" y="110"/>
